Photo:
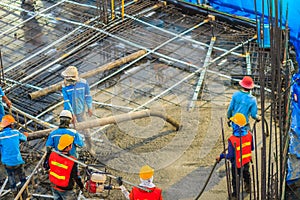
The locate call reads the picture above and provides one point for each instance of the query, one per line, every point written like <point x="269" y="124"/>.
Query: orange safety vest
<point x="60" y="169"/>
<point x="139" y="194"/>
<point x="246" y="148"/>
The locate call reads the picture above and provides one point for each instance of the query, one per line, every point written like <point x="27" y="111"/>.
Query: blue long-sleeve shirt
<point x="53" y="139"/>
<point x="243" y="102"/>
<point x="9" y="146"/>
<point x="76" y="96"/>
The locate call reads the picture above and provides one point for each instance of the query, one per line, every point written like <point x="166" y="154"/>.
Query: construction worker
<point x="63" y="171"/>
<point x="65" y="118"/>
<point x="76" y="93"/>
<point x="6" y="100"/>
<point x="241" y="137"/>
<point x="146" y="177"/>
<point x="11" y="158"/>
<point x="243" y="102"/>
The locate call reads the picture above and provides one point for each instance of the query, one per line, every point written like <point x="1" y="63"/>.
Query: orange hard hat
<point x="247" y="82"/>
<point x="146" y="172"/>
<point x="239" y="119"/>
<point x="7" y="120"/>
<point x="64" y="141"/>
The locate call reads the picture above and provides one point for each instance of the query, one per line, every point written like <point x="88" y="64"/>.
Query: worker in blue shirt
<point x="11" y="156"/>
<point x="76" y="93"/>
<point x="4" y="98"/>
<point x="243" y="102"/>
<point x="65" y="118"/>
<point x="241" y="134"/>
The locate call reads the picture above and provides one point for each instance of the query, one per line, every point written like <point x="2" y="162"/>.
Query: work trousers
<point x="14" y="172"/>
<point x="246" y="176"/>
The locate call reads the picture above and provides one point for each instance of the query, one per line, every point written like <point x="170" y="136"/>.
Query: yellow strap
<point x="243" y="145"/>
<point x="57" y="176"/>
<point x="245" y="156"/>
<point x="59" y="164"/>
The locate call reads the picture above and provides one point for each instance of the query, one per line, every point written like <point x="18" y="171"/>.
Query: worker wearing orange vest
<point x="151" y="192"/>
<point x="63" y="171"/>
<point x="239" y="155"/>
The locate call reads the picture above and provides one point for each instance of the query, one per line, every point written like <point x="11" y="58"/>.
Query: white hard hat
<point x="66" y="113"/>
<point x="70" y="71"/>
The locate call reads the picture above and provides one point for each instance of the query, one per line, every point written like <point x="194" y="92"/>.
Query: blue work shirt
<point x="2" y="113"/>
<point x="239" y="131"/>
<point x="53" y="139"/>
<point x="242" y="102"/>
<point x="76" y="96"/>
<point x="9" y="145"/>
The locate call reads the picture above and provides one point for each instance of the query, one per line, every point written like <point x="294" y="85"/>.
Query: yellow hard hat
<point x="239" y="119"/>
<point x="146" y="172"/>
<point x="70" y="71"/>
<point x="64" y="141"/>
<point x="7" y="120"/>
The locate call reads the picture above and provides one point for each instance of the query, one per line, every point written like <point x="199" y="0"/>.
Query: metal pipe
<point x="109" y="120"/>
<point x="112" y="9"/>
<point x="3" y="186"/>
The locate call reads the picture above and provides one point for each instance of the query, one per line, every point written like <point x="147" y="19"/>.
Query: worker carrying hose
<point x="65" y="118"/>
<point x="6" y="100"/>
<point x="240" y="145"/>
<point x="11" y="158"/>
<point x="146" y="177"/>
<point x="243" y="102"/>
<point x="63" y="172"/>
<point x="76" y="93"/>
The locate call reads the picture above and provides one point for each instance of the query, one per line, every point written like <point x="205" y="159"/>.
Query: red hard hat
<point x="247" y="82"/>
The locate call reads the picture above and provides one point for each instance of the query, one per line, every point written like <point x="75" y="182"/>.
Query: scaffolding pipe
<point x="3" y="186"/>
<point x="109" y="120"/>
<point x="108" y="66"/>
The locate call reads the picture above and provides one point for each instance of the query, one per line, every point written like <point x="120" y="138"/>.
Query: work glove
<point x="258" y="118"/>
<point x="119" y="180"/>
